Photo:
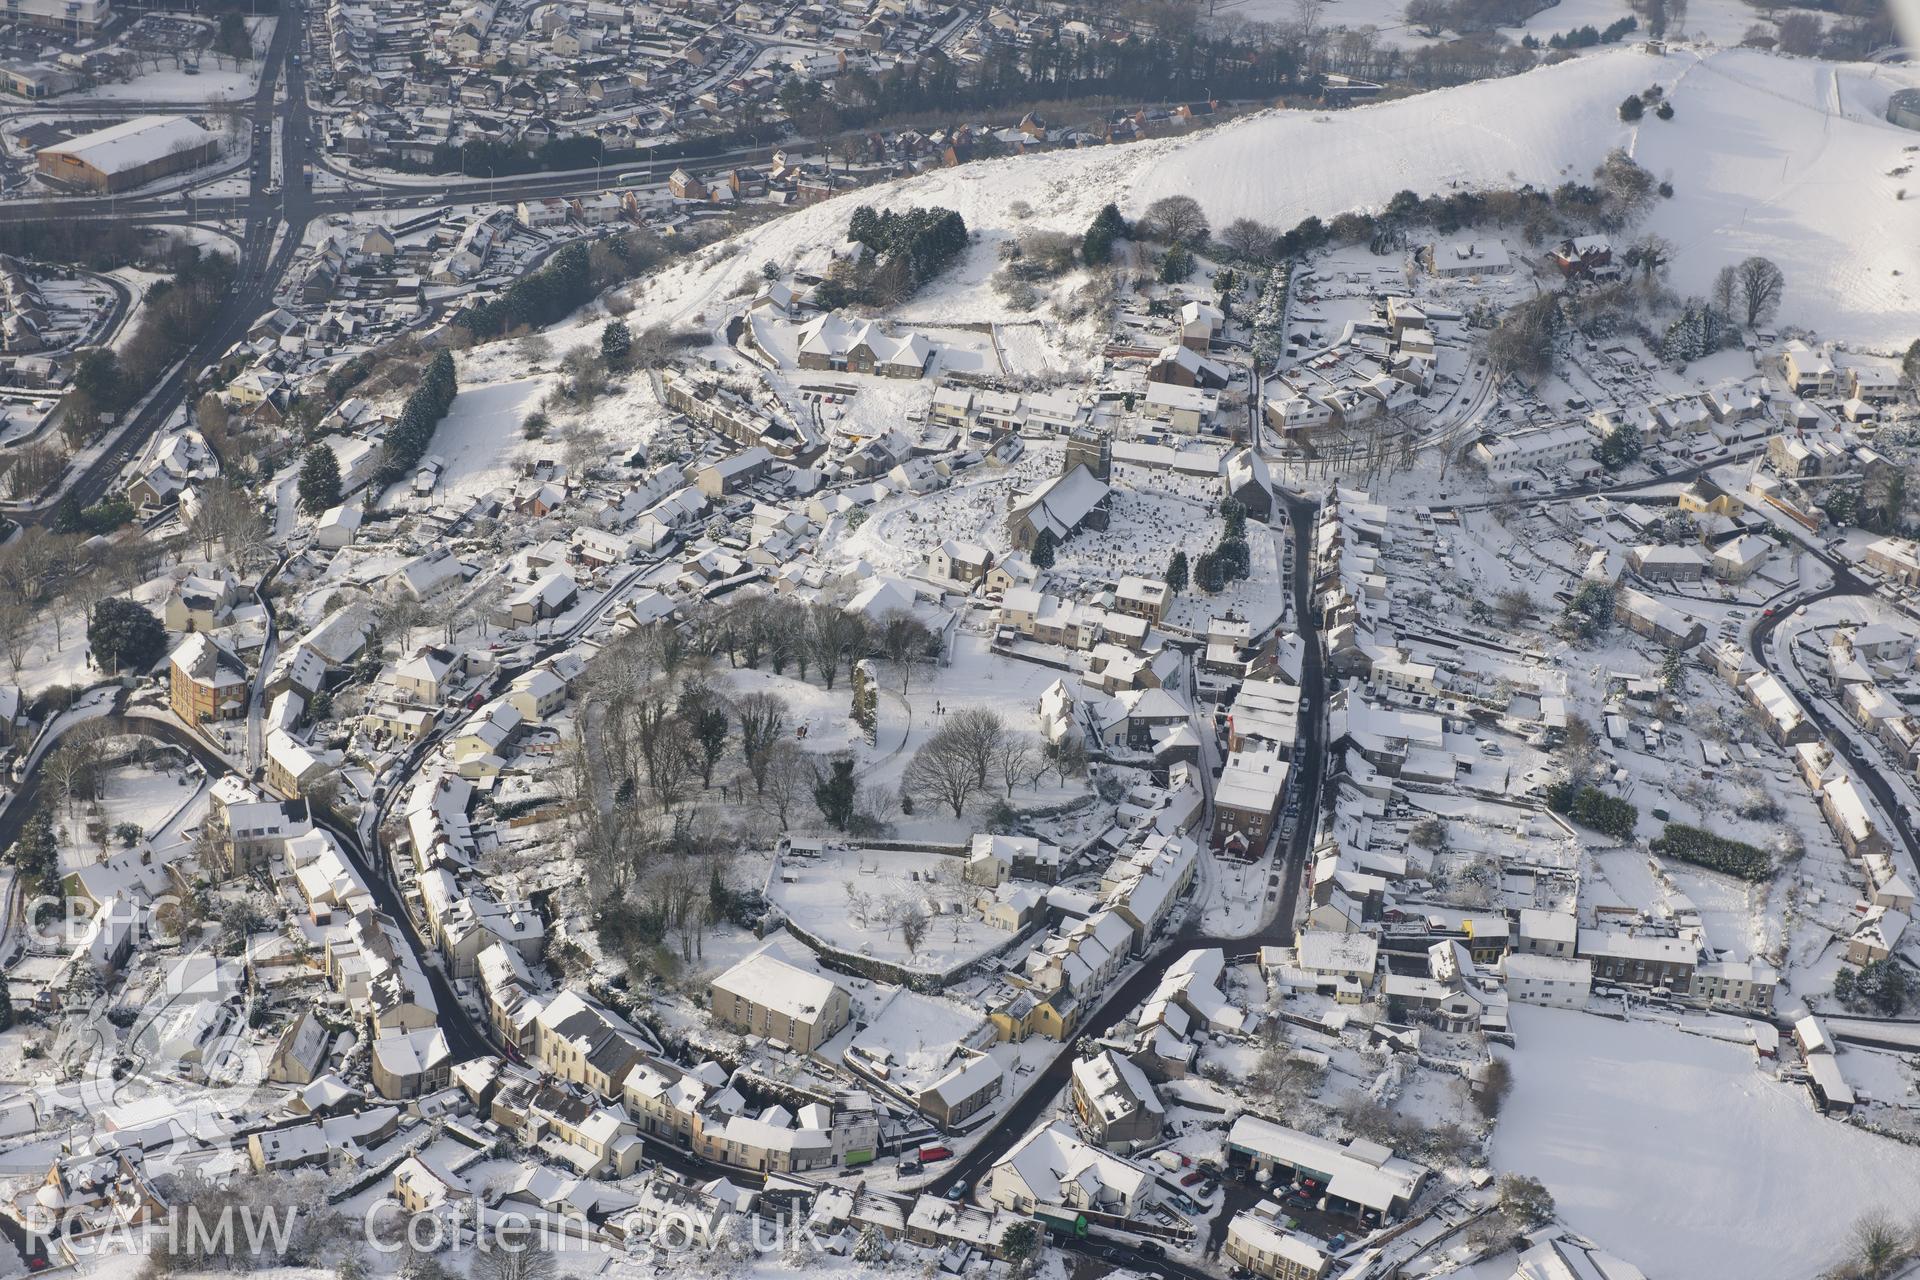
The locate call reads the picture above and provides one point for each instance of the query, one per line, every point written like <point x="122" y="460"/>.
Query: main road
<point x="1868" y="770"/>
<point x="1277" y="930"/>
<point x="275" y="215"/>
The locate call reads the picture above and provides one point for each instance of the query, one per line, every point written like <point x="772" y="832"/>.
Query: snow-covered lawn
<point x="1681" y="1156"/>
<point x="854" y="898"/>
<point x="481" y="440"/>
<point x="974" y="677"/>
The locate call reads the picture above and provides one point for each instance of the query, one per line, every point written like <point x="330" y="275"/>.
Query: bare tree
<point x="743" y="629"/>
<point x="978" y="734"/>
<point x="34" y="562"/>
<point x="221" y="515"/>
<point x="1014" y="760"/>
<point x="1068" y="757"/>
<point x="1512" y="605"/>
<point x="833" y="635"/>
<point x="763" y="725"/>
<point x="785" y="623"/>
<point x="581" y="447"/>
<point x="859" y="903"/>
<point x="603" y="837"/>
<point x="34" y="468"/>
<point x="913" y="927"/>
<point x="1430" y="17"/>
<point x="1761" y="284"/>
<point x="906" y="640"/>
<point x="1175" y="220"/>
<point x="72" y="770"/>
<point x="667" y="746"/>
<point x="788" y="782"/>
<point x="1650" y="256"/>
<point x="624" y="667"/>
<point x="505" y="1261"/>
<point x="682" y="873"/>
<point x="945" y="770"/>
<point x="1246" y="238"/>
<point x="450" y="612"/>
<point x="16" y="631"/>
<point x="395" y="617"/>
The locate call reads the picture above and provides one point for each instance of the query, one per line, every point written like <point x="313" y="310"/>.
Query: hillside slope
<point x="1771" y="155"/>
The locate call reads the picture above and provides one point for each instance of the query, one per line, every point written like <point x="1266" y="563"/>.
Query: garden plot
<point x="142" y="797"/>
<point x="139" y="800"/>
<point x="1026" y="352"/>
<point x="1887" y="1078"/>
<point x="861" y="900"/>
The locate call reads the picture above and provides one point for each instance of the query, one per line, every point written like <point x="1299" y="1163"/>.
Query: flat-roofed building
<point x="61" y="15"/>
<point x="130" y="154"/>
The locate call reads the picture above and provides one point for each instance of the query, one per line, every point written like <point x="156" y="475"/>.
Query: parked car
<point x="1191" y="1178"/>
<point x="930" y="1154"/>
<point x="907" y="1166"/>
<point x="1152" y="1249"/>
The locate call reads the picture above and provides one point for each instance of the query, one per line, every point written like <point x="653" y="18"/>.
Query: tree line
<point x="420" y="415"/>
<point x="93" y="245"/>
<point x="535" y="300"/>
<point x="656" y="731"/>
<point x="906" y="250"/>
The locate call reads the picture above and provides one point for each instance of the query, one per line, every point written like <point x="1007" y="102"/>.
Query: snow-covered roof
<point x="132" y="143"/>
<point x="769" y="982"/>
<point x="1364" y="1173"/>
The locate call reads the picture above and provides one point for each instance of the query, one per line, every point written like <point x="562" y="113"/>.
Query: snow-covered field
<point x="481" y="440"/>
<point x="1720" y="22"/>
<point x="1773" y="155"/>
<point x="1682" y="1157"/>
